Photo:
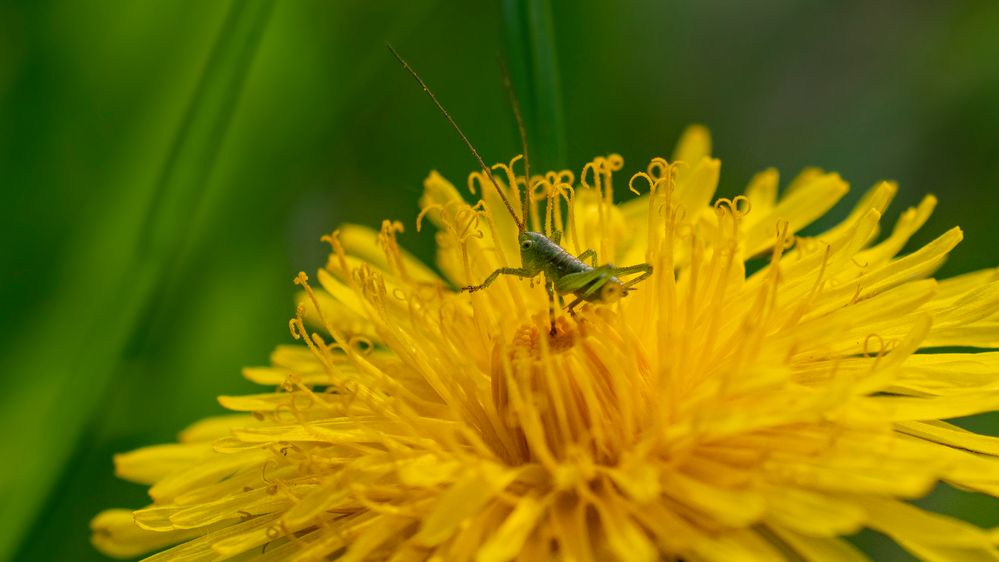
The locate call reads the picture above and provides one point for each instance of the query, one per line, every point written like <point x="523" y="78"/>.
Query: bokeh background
<point x="167" y="167"/>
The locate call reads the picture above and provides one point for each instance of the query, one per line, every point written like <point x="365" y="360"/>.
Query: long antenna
<point x="520" y="222"/>
<point x="523" y="135"/>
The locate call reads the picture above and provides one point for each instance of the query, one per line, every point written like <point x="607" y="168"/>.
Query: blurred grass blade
<point x="199" y="139"/>
<point x="62" y="380"/>
<point x="530" y="41"/>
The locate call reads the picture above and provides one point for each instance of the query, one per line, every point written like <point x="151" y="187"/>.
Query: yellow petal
<point x="817" y="474"/>
<point x="695" y="189"/>
<point x="906" y="522"/>
<point x="252" y="502"/>
<point x="214" y="427"/>
<point x="970" y="320"/>
<point x="116" y="534"/>
<point x="877" y="199"/>
<point x="811" y="513"/>
<point x="937" y="408"/>
<point x="638" y="479"/>
<point x="911" y="220"/>
<point x="946" y="553"/>
<point x="625" y="539"/>
<point x="762" y="193"/>
<point x="343" y="294"/>
<point x="960" y="285"/>
<point x="427" y="471"/>
<point x="737" y="546"/>
<point x="916" y="265"/>
<point x="276" y="376"/>
<point x="735" y="508"/>
<point x="148" y="465"/>
<point x="204" y="473"/>
<point x="672" y="532"/>
<point x="373" y="536"/>
<point x="950" y="435"/>
<point x="467" y="496"/>
<point x="255" y="402"/>
<point x="804" y="177"/>
<point x="331" y="491"/>
<point x="694" y="144"/>
<point x="570" y="526"/>
<point x="331" y="310"/>
<point x="363" y="242"/>
<point x="950" y="373"/>
<point x="820" y="549"/>
<point x="799" y="208"/>
<point x="201" y="548"/>
<point x="251" y="534"/>
<point x="508" y="540"/>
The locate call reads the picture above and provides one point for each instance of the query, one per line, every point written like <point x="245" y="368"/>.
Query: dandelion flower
<point x="763" y="394"/>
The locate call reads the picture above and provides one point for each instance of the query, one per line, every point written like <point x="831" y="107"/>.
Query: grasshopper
<point x="564" y="273"/>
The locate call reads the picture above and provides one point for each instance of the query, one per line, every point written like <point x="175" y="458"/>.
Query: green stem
<point x="530" y="41"/>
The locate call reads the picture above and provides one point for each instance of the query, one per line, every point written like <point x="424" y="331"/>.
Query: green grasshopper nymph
<point x="540" y="254"/>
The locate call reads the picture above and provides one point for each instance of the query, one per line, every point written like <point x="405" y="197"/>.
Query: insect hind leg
<point x="572" y="306"/>
<point x="644" y="268"/>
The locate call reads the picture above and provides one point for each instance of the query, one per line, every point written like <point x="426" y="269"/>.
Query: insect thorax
<point x="540" y="253"/>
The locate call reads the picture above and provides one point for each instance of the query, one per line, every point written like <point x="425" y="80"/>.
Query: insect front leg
<point x="522" y="272"/>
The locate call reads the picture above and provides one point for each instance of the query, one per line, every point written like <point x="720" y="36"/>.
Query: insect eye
<point x="526" y="244"/>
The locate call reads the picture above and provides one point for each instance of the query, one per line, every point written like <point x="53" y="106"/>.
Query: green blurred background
<point x="166" y="168"/>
